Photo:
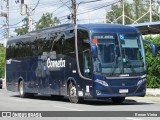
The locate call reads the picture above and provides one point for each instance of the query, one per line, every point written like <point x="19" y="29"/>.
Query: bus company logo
<point x="56" y="63"/>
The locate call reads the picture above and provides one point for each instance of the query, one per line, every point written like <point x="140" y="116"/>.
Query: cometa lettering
<point x="55" y="63"/>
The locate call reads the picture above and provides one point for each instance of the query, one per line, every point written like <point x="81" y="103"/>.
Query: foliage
<point x="133" y="10"/>
<point x="24" y="29"/>
<point x="153" y="64"/>
<point x="47" y="21"/>
<point x="2" y="61"/>
<point x="116" y="12"/>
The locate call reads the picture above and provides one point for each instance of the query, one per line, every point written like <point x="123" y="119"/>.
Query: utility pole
<point x="150" y="11"/>
<point x="29" y="16"/>
<point x="123" y="14"/>
<point x="27" y="10"/>
<point x="74" y="16"/>
<point x="7" y="19"/>
<point x="6" y="15"/>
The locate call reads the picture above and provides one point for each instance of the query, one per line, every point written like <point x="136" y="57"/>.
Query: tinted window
<point x="68" y="42"/>
<point x="84" y="53"/>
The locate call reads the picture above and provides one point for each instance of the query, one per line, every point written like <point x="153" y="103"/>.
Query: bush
<point x="153" y="64"/>
<point x="2" y="61"/>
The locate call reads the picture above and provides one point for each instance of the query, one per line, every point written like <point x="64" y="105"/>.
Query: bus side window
<point x="56" y="42"/>
<point x="84" y="54"/>
<point x="87" y="64"/>
<point x="68" y="43"/>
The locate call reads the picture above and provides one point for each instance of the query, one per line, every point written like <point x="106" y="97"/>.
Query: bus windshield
<point x="121" y="53"/>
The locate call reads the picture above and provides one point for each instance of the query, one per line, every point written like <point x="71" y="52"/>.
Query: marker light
<point x="95" y="41"/>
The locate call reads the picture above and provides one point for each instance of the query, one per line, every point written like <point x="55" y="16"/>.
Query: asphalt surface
<point x="10" y="101"/>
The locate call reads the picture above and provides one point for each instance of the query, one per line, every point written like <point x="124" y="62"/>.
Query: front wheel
<point x="118" y="100"/>
<point x="21" y="90"/>
<point x="72" y="91"/>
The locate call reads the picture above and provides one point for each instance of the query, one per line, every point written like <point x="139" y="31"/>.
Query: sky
<point x="58" y="9"/>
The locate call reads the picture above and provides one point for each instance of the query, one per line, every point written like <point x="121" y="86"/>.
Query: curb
<point x="153" y="92"/>
<point x="4" y="84"/>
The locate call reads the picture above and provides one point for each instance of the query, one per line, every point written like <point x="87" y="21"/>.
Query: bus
<point x="78" y="61"/>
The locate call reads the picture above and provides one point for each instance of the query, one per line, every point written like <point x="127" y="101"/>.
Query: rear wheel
<point x="118" y="100"/>
<point x="73" y="97"/>
<point x="21" y="90"/>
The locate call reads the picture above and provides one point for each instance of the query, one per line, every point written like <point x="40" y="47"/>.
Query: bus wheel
<point x="118" y="100"/>
<point x="21" y="89"/>
<point x="72" y="93"/>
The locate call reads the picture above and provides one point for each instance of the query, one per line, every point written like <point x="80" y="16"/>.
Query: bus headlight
<point x="101" y="82"/>
<point x="141" y="81"/>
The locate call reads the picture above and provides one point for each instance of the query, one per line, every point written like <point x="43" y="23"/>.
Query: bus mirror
<point x="153" y="47"/>
<point x="94" y="50"/>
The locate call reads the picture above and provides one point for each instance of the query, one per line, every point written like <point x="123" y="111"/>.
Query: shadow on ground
<point x="92" y="102"/>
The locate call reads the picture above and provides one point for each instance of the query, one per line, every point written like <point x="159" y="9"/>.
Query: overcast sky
<point x="55" y="7"/>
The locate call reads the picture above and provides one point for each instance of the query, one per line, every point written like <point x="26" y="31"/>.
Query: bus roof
<point x="111" y="28"/>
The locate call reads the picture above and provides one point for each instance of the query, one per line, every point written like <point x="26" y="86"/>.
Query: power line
<point x="36" y="6"/>
<point x="84" y="2"/>
<point x="95" y="5"/>
<point x="65" y="5"/>
<point x="16" y="23"/>
<point x="91" y="10"/>
<point x="60" y="6"/>
<point x="17" y="26"/>
<point x="2" y="38"/>
<point x="1" y="27"/>
<point x="40" y="4"/>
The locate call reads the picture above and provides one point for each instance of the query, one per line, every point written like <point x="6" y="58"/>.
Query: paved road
<point x="10" y="101"/>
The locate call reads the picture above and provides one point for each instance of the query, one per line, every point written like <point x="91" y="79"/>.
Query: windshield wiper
<point x="113" y="66"/>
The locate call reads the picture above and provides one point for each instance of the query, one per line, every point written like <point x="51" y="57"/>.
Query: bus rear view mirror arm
<point x="153" y="46"/>
<point x="94" y="50"/>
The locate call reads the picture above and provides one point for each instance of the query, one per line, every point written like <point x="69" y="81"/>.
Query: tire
<point x="1" y="83"/>
<point x="21" y="90"/>
<point x="118" y="100"/>
<point x="72" y="91"/>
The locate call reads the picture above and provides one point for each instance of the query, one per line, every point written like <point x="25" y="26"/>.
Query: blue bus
<point x="80" y="61"/>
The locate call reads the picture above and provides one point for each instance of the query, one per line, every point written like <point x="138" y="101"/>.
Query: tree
<point x="116" y="12"/>
<point x="135" y="10"/>
<point x="47" y="21"/>
<point x="153" y="66"/>
<point x="2" y="61"/>
<point x="24" y="29"/>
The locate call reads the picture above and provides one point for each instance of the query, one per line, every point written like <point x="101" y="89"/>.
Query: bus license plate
<point x="123" y="90"/>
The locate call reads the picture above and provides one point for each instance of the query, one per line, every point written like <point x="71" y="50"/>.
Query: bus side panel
<point x="31" y="80"/>
<point x="13" y="69"/>
<point x="70" y="73"/>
